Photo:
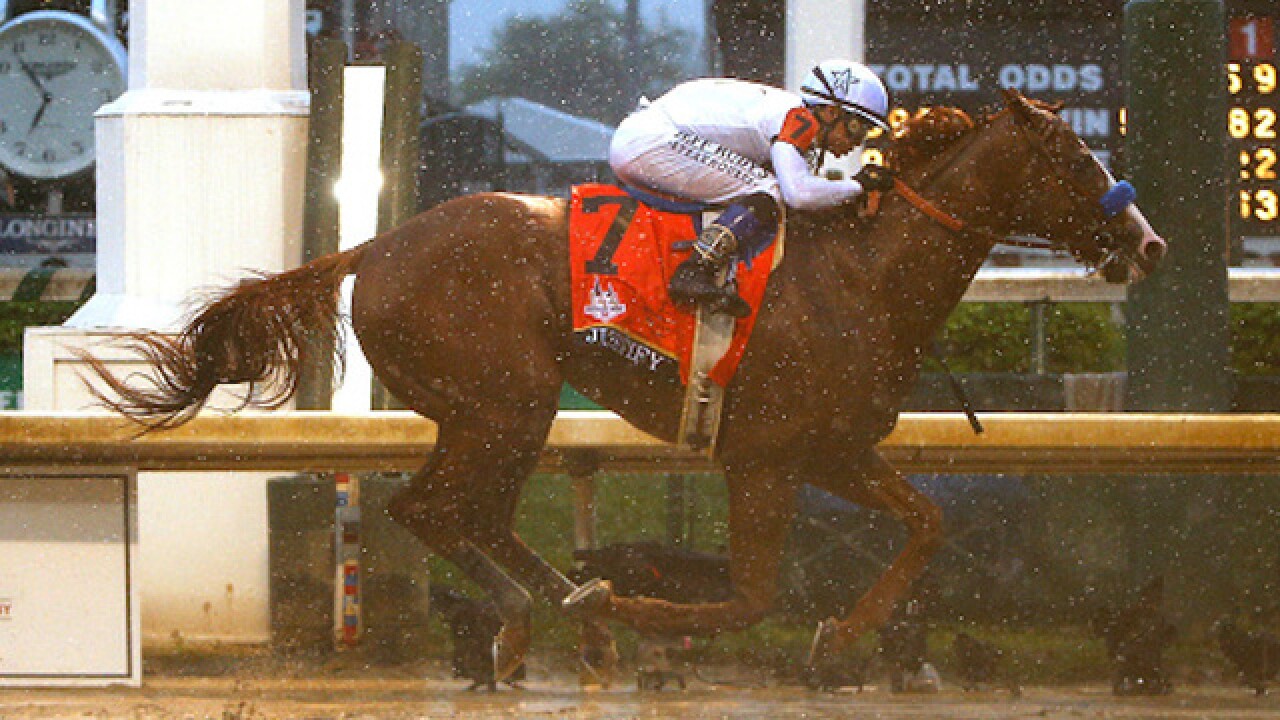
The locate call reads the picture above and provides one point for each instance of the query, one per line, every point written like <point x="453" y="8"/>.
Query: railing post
<point x="401" y="116"/>
<point x="326" y="60"/>
<point x="347" y="618"/>
<point x="1178" y="339"/>
<point x="1039" y="339"/>
<point x="678" y="510"/>
<point x="582" y="467"/>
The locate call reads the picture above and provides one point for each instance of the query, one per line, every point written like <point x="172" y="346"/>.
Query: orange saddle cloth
<point x="621" y="254"/>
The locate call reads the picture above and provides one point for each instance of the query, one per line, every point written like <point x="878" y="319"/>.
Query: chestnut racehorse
<point x="464" y="314"/>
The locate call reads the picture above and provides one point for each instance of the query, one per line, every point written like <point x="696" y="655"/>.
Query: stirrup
<point x="716" y="244"/>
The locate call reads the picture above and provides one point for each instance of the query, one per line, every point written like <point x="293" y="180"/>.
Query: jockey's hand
<point x="875" y="178"/>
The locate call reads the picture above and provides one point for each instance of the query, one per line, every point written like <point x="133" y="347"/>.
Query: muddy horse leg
<point x="446" y="507"/>
<point x="497" y="536"/>
<point x="761" y="507"/>
<point x="878" y="486"/>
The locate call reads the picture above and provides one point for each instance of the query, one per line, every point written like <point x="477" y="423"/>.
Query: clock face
<point x="56" y="70"/>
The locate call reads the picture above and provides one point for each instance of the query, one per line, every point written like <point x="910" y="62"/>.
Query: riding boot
<point x="697" y="279"/>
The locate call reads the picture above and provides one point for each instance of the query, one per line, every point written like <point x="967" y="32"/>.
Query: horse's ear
<point x="1017" y="103"/>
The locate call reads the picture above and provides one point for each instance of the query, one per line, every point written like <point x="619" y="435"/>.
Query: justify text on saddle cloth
<point x="636" y="352"/>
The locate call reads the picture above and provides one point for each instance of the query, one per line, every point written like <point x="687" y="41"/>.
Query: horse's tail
<point x="254" y="332"/>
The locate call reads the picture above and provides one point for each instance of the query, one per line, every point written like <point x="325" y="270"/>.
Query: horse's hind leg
<point x="876" y="485"/>
<point x="445" y="503"/>
<point x="598" y="653"/>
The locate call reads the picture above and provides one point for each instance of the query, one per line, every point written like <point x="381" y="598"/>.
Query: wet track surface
<point x="243" y="697"/>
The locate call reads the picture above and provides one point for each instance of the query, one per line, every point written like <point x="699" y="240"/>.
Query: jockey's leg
<point x="761" y="508"/>
<point x="876" y="485"/>
<point x="698" y="280"/>
<point x="649" y="151"/>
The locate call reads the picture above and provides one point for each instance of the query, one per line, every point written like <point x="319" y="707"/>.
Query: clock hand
<point x="31" y="75"/>
<point x="44" y="103"/>
<point x="45" y="96"/>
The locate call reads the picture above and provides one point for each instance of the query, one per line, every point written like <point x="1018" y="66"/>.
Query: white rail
<point x="1244" y="285"/>
<point x="922" y="442"/>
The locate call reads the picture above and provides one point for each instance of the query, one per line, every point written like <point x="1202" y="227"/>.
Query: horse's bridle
<point x="1106" y="206"/>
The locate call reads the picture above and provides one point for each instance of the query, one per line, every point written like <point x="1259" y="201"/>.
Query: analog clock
<point x="56" y="70"/>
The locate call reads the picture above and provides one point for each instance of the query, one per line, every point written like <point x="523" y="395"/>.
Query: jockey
<point x="749" y="146"/>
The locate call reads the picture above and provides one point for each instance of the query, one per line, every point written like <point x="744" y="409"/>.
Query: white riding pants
<point x="650" y="152"/>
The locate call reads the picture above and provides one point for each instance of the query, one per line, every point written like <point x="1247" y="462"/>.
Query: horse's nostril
<point x="1153" y="249"/>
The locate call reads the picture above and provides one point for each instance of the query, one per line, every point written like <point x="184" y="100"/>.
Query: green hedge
<point x="996" y="337"/>
<point x="1255" y="338"/>
<point x="1084" y="337"/>
<point x="979" y="337"/>
<point x="15" y="317"/>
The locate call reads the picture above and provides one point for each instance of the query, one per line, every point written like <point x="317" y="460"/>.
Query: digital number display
<point x="1253" y="86"/>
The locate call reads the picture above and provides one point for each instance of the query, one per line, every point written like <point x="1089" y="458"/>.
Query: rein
<point x="958" y="226"/>
<point x="949" y="221"/>
<point x="1109" y="204"/>
<point x="921" y="203"/>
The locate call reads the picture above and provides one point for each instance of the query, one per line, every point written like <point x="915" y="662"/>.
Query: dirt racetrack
<point x="249" y="691"/>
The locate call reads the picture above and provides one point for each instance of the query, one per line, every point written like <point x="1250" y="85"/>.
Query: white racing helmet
<point x="849" y="85"/>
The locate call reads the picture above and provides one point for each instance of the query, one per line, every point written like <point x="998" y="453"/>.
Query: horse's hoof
<point x="826" y="643"/>
<point x="510" y="646"/>
<point x="589" y="600"/>
<point x="598" y="655"/>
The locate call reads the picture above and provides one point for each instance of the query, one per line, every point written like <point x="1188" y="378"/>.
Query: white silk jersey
<point x="714" y="140"/>
<point x="737" y="114"/>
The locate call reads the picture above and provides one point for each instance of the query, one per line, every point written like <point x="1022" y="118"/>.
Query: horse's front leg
<point x="876" y="485"/>
<point x="761" y="507"/>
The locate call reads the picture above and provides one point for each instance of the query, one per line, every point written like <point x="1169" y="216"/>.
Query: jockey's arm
<point x="802" y="189"/>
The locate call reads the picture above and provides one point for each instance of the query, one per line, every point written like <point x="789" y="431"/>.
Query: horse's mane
<point x="926" y="135"/>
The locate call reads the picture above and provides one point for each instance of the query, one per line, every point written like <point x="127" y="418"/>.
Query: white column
<point x="206" y="152"/>
<point x="201" y="166"/>
<point x="821" y="29"/>
<point x="364" y="89"/>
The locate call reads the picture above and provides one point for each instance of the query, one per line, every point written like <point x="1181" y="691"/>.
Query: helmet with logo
<point x="849" y="85"/>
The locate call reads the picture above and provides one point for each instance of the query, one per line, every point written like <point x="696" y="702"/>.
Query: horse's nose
<point x="1152" y="249"/>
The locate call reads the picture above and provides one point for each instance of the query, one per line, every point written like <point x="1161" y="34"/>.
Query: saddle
<point x="623" y="246"/>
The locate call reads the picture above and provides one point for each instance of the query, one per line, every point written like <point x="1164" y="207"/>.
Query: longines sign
<point x="34" y="234"/>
